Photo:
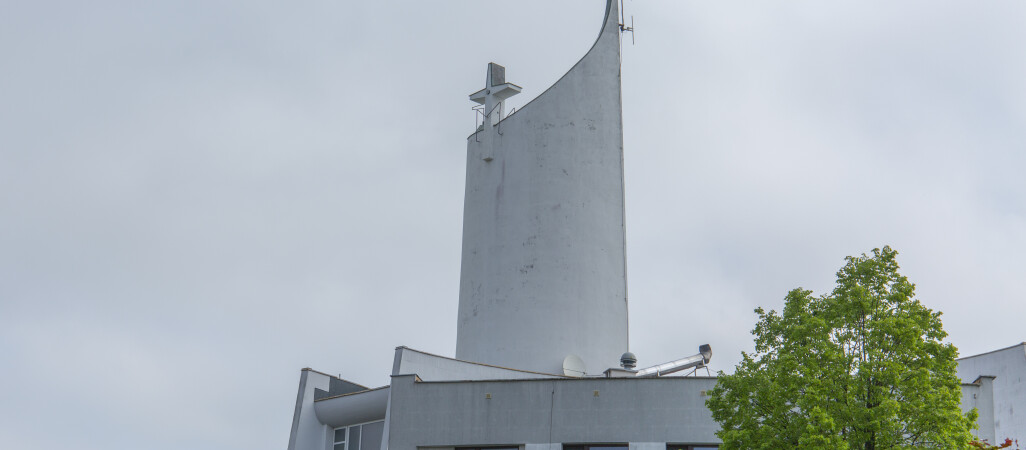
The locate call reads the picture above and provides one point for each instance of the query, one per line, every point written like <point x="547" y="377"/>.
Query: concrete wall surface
<point x="1008" y="367"/>
<point x="550" y="411"/>
<point x="308" y="433"/>
<point x="351" y="409"/>
<point x="980" y="395"/>
<point x="543" y="269"/>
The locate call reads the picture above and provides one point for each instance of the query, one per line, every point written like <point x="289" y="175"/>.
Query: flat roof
<point x="1021" y="344"/>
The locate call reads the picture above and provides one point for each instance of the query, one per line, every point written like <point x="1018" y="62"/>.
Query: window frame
<point x="670" y="446"/>
<point x="624" y="445"/>
<point x="347" y="436"/>
<point x="490" y="447"/>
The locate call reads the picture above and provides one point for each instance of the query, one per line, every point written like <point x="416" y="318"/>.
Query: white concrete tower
<point x="544" y="273"/>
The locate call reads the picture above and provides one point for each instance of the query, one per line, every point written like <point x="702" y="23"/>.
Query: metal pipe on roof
<point x="699" y="360"/>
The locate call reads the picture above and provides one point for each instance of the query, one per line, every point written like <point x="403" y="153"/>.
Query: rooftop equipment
<point x="696" y="361"/>
<point x="628" y="361"/>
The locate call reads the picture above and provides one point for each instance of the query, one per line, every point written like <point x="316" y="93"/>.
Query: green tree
<point x="861" y="368"/>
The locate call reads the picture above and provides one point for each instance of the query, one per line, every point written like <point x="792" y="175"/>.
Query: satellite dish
<point x="573" y="366"/>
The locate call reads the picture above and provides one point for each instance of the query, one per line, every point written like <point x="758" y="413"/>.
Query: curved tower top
<point x="543" y="274"/>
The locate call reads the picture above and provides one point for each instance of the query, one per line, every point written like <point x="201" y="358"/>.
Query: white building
<point x="543" y="299"/>
<point x="543" y="304"/>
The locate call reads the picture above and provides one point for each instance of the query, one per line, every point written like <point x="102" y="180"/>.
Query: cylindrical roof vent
<point x="628" y="361"/>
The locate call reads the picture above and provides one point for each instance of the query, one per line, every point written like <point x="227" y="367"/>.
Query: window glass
<point x="371" y="434"/>
<point x="354" y="438"/>
<point x="340" y="435"/>
<point x="339" y="446"/>
<point x="601" y="447"/>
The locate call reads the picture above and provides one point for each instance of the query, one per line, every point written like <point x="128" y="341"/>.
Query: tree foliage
<point x="861" y="368"/>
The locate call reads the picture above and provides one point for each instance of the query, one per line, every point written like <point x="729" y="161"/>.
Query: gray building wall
<point x="543" y="272"/>
<point x="543" y="413"/>
<point x="533" y="412"/>
<point x="1007" y="366"/>
<point x="308" y="433"/>
<point x="352" y="409"/>
<point x="980" y="395"/>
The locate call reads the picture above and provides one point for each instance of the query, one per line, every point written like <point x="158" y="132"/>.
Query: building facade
<point x="542" y="357"/>
<point x="542" y="324"/>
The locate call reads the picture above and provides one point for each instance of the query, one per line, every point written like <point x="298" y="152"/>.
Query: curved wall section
<point x="351" y="409"/>
<point x="543" y="272"/>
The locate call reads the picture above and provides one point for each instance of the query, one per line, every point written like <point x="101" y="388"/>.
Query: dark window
<point x="595" y="447"/>
<point x="692" y="446"/>
<point x="354" y="438"/>
<point x="372" y="434"/>
<point x="340" y="439"/>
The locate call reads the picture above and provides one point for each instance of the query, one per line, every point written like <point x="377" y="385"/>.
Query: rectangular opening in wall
<point x="495" y="447"/>
<point x="594" y="446"/>
<point x="354" y="438"/>
<point x="367" y="436"/>
<point x="340" y="439"/>
<point x="371" y="433"/>
<point x="692" y="447"/>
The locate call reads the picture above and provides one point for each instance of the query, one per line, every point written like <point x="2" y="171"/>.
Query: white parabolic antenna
<point x="573" y="366"/>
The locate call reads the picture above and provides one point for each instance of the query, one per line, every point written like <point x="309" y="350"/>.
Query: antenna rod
<point x="623" y="23"/>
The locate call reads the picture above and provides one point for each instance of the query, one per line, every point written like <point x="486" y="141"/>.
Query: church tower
<point x="542" y="318"/>
<point x="543" y="277"/>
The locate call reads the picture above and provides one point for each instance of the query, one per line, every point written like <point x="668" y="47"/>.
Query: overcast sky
<point x="198" y="198"/>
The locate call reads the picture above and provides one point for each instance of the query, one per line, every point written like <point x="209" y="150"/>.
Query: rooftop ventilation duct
<point x="696" y="361"/>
